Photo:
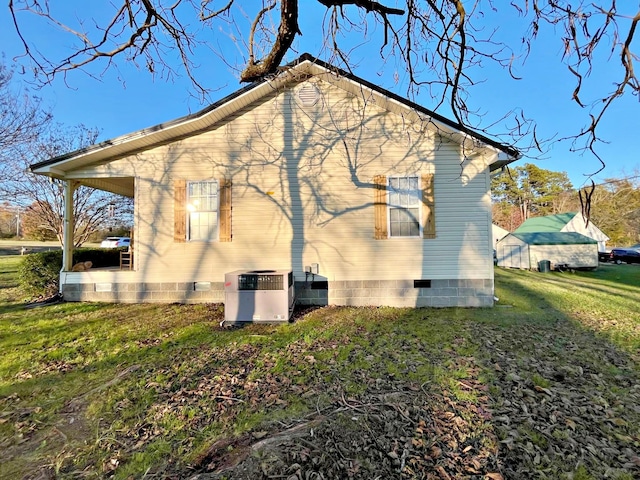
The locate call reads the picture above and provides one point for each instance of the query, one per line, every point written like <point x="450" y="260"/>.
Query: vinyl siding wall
<point x="575" y="256"/>
<point x="302" y="193"/>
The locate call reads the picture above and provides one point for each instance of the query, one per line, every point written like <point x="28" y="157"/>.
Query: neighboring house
<point x="565" y="222"/>
<point x="368" y="198"/>
<point x="568" y="249"/>
<point x="497" y="233"/>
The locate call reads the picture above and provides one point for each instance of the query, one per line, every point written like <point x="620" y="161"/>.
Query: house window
<point x="404" y="202"/>
<point x="202" y="210"/>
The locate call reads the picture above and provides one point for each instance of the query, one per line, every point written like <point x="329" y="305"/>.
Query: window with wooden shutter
<point x="180" y="211"/>
<point x="202" y="210"/>
<point x="428" y="207"/>
<point x="380" y="207"/>
<point x="225" y="210"/>
<point x="404" y="206"/>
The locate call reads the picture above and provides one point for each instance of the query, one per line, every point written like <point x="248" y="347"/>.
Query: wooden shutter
<point x="428" y="207"/>
<point x="380" y="207"/>
<point x="180" y="211"/>
<point x="225" y="210"/>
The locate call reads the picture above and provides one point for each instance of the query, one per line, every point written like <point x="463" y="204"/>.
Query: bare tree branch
<point x="21" y="115"/>
<point x="440" y="44"/>
<point x="287" y="31"/>
<point x="209" y="16"/>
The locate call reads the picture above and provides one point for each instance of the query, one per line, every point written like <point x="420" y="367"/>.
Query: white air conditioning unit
<point x="258" y="296"/>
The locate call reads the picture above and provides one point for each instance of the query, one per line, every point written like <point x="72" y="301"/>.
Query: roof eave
<point x="501" y="162"/>
<point x="51" y="167"/>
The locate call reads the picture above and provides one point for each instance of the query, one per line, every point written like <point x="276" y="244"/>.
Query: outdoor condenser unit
<point x="258" y="296"/>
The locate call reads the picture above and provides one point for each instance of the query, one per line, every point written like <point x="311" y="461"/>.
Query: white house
<point x="368" y="198"/>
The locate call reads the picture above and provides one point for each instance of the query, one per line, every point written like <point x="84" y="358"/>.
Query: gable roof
<point x="497" y="232"/>
<point x="201" y="121"/>
<point x="554" y="238"/>
<point x="549" y="223"/>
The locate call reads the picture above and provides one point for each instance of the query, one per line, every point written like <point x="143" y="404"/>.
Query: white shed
<point x="525" y="250"/>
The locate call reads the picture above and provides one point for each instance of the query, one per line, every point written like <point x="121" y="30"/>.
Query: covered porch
<point x="124" y="186"/>
<point x="122" y="283"/>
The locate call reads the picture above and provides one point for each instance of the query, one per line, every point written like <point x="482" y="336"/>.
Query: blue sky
<point x="126" y="98"/>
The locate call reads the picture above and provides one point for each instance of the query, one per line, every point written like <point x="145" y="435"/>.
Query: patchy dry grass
<point x="545" y="385"/>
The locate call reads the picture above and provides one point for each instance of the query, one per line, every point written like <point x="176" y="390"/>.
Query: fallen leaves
<point x="576" y="417"/>
<point x="546" y="410"/>
<point x="372" y="401"/>
<point x="393" y="429"/>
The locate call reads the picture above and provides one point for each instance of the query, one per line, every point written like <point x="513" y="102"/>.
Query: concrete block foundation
<point x="393" y="293"/>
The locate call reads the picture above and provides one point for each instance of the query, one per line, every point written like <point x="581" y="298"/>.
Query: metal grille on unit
<point x="309" y="95"/>
<point x="258" y="296"/>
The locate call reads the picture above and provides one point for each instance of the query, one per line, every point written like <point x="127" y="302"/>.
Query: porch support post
<point x="67" y="233"/>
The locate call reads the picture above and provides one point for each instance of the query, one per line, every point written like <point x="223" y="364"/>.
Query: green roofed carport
<point x="557" y="249"/>
<point x="554" y="238"/>
<point x="550" y="223"/>
<point x="565" y="223"/>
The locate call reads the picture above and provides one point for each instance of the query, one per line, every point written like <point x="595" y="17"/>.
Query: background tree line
<point x="529" y="191"/>
<point x="32" y="206"/>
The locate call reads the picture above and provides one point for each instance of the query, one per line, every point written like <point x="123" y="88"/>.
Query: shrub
<point x="40" y="272"/>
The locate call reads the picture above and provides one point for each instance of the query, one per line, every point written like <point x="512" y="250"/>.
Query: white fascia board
<point x="51" y="172"/>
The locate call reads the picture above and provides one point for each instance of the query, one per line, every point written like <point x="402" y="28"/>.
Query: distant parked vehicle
<point x="115" y="242"/>
<point x="628" y="255"/>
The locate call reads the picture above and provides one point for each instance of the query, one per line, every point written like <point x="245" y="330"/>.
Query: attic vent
<point x="309" y="95"/>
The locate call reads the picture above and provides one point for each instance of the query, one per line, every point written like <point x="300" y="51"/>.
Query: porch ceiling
<point x="121" y="186"/>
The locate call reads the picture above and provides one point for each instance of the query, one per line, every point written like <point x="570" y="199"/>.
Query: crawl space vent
<point x="309" y="95"/>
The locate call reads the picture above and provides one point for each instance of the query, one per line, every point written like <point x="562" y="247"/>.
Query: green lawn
<point x="544" y="385"/>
